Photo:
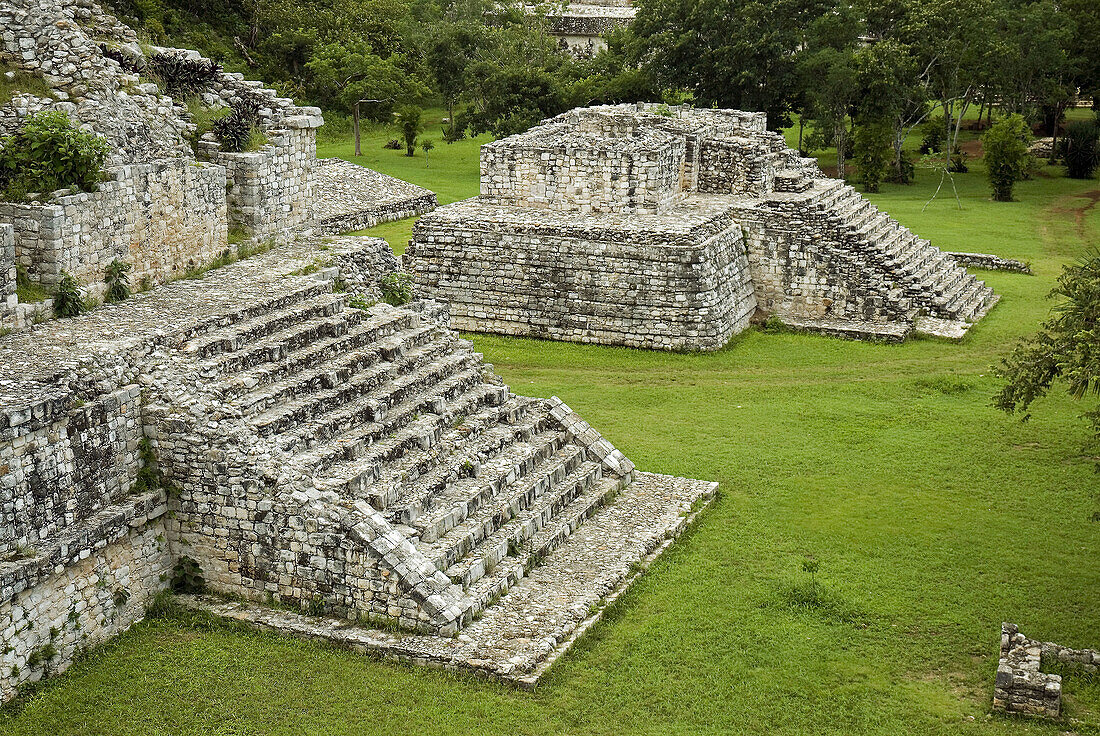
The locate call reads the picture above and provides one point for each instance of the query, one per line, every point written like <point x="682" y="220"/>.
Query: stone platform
<point x="540" y="618"/>
<point x="276" y="428"/>
<point x="667" y="228"/>
<point x="348" y="197"/>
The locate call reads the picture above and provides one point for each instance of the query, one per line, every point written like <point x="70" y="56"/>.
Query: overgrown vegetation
<point x="187" y="576"/>
<point x="20" y="81"/>
<point x="49" y="153"/>
<point x="68" y="300"/>
<point x="396" y="288"/>
<point x="117" y="278"/>
<point x="1081" y="149"/>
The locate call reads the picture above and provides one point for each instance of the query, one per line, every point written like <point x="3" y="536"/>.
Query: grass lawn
<point x="934" y="518"/>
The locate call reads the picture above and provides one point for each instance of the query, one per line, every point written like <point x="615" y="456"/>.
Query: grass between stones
<point x="932" y="518"/>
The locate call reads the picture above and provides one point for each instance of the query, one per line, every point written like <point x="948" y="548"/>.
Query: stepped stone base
<point x="540" y="618"/>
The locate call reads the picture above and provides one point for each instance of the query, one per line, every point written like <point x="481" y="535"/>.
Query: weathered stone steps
<point x="522" y="518"/>
<point x="552" y="484"/>
<point x="469" y="494"/>
<point x="237" y="335"/>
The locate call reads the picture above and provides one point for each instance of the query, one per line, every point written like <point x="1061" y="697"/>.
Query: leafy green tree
<point x="834" y="90"/>
<point x="512" y="99"/>
<point x="452" y="49"/>
<point x="349" y="73"/>
<point x="729" y="53"/>
<point x="1064" y="350"/>
<point x="1006" y="154"/>
<point x="872" y="152"/>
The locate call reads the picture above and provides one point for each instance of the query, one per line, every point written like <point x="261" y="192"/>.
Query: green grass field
<point x="933" y="516"/>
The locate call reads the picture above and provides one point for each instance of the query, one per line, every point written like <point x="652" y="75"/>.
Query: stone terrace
<point x="356" y="461"/>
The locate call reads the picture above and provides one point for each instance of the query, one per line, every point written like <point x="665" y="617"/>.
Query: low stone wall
<point x="103" y="587"/>
<point x="163" y="218"/>
<point x="348" y="197"/>
<point x="1021" y="687"/>
<point x="990" y="262"/>
<point x="682" y="286"/>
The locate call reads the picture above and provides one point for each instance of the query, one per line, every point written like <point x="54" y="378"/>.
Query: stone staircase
<point x="918" y="278"/>
<point x="384" y="418"/>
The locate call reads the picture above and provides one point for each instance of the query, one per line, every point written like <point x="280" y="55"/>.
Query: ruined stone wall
<point x="640" y="176"/>
<point x="48" y="618"/>
<point x="686" y="291"/>
<point x="62" y="460"/>
<point x="59" y="40"/>
<point x="735" y="166"/>
<point x="269" y="191"/>
<point x="162" y="217"/>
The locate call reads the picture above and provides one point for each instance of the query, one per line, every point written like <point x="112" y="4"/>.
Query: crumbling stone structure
<point x="160" y="210"/>
<point x="361" y="464"/>
<point x="581" y="27"/>
<point x="670" y="228"/>
<point x="1021" y="687"/>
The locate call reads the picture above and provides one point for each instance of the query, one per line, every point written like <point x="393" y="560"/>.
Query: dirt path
<point x="1072" y="205"/>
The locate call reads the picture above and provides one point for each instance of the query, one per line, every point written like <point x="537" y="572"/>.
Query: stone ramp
<point x="349" y="197"/>
<point x="539" y="619"/>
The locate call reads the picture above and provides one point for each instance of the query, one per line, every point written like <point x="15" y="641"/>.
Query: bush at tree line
<point x="1006" y="155"/>
<point x="1081" y="149"/>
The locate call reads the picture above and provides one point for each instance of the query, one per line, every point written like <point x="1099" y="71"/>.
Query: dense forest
<point x="858" y="76"/>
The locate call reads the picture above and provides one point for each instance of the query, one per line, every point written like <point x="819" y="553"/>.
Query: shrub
<point x="393" y="144"/>
<point x="933" y="135"/>
<point x="902" y="171"/>
<point x="48" y="153"/>
<point x="1081" y="149"/>
<point x="396" y="288"/>
<point x="238" y="131"/>
<point x="872" y="153"/>
<point x="1006" y="155"/>
<point x="117" y="278"/>
<point x="68" y="301"/>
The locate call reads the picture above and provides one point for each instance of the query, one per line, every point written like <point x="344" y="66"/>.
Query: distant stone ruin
<point x="170" y="196"/>
<point x="581" y="27"/>
<point x="671" y="228"/>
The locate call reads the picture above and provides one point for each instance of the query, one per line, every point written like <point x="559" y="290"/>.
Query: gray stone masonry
<point x="321" y="450"/>
<point x="668" y="228"/>
<point x="159" y="209"/>
<point x="1021" y="687"/>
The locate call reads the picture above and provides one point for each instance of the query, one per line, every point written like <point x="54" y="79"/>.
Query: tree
<point x="1064" y="350"/>
<point x="872" y="152"/>
<point x="831" y="95"/>
<point x="427" y="146"/>
<point x="409" y="120"/>
<point x="510" y="100"/>
<point x="1006" y="155"/>
<point x="353" y="72"/>
<point x="452" y="49"/>
<point x="729" y="53"/>
<point x="1081" y="149"/>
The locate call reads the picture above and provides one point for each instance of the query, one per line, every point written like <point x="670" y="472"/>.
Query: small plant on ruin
<point x="181" y="76"/>
<point x="47" y="154"/>
<point x="238" y="131"/>
<point x="359" y="302"/>
<point x="117" y="278"/>
<point x="396" y="288"/>
<point x="68" y="301"/>
<point x="187" y="576"/>
<point x="121" y="597"/>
